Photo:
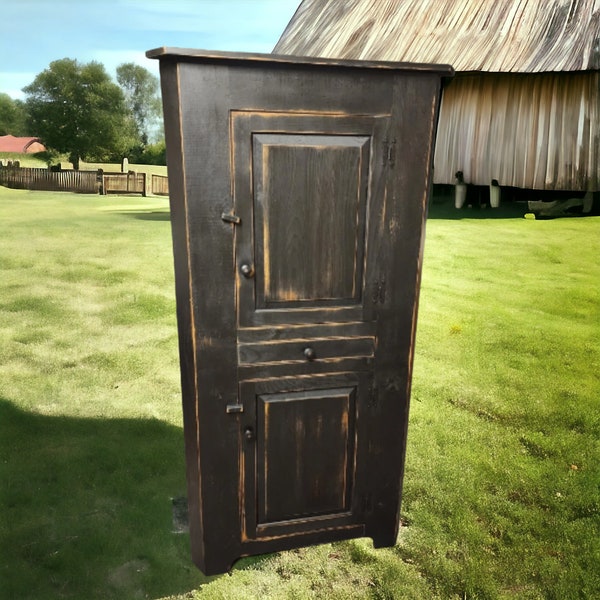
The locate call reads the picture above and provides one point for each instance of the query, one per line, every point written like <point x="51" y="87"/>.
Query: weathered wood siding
<point x="537" y="131"/>
<point x="518" y="36"/>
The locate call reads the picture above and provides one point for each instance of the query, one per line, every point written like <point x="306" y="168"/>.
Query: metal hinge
<point x="389" y="152"/>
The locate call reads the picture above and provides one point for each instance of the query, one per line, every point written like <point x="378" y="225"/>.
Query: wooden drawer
<point x="305" y="350"/>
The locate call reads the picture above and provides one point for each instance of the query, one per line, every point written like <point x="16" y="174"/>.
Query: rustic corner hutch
<point x="299" y="191"/>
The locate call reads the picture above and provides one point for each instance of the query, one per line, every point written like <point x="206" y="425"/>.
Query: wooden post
<point x="460" y="190"/>
<point x="100" y="179"/>
<point x="494" y="194"/>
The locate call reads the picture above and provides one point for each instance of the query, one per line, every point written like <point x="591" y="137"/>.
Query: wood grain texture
<point x="293" y="350"/>
<point x="298" y="214"/>
<point x="514" y="36"/>
<point x="538" y="131"/>
<point x="321" y="222"/>
<point x="305" y="446"/>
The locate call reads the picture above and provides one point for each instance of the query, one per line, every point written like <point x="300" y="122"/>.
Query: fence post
<point x="100" y="180"/>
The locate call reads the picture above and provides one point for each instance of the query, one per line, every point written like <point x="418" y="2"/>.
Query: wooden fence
<point x="160" y="185"/>
<point x="85" y="182"/>
<point x="124" y="183"/>
<point x="22" y="178"/>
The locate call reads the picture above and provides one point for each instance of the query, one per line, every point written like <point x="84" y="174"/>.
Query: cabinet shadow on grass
<point x="146" y="215"/>
<point x="87" y="508"/>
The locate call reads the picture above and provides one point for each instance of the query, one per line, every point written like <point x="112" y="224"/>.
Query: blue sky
<point x="33" y="33"/>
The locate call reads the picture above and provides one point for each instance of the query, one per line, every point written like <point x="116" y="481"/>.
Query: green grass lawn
<point x="502" y="485"/>
<point x="25" y="160"/>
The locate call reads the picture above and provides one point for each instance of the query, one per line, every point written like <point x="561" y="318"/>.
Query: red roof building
<point x="21" y="145"/>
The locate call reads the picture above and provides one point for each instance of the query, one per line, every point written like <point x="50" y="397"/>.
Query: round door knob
<point x="246" y="270"/>
<point x="310" y="354"/>
<point x="249" y="434"/>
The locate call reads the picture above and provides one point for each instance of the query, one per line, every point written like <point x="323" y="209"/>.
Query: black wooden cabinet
<point x="299" y="192"/>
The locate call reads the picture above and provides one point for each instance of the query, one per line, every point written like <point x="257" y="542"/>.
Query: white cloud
<point x="13" y="83"/>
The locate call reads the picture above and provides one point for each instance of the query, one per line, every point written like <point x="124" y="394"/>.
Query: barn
<point x="21" y="145"/>
<point x="524" y="108"/>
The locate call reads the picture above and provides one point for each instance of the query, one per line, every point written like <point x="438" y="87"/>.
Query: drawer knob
<point x="309" y="353"/>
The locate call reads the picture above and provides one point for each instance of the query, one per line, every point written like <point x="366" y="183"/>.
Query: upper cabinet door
<point x="303" y="190"/>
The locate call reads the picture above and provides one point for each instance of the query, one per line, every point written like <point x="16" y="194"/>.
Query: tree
<point x="76" y="108"/>
<point x="141" y="95"/>
<point x="12" y="116"/>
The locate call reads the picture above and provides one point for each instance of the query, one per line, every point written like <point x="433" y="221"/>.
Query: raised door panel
<point x="301" y="454"/>
<point x="302" y="189"/>
<point x="305" y="254"/>
<point x="304" y="453"/>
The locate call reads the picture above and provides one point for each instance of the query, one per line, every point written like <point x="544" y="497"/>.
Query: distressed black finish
<point x="299" y="192"/>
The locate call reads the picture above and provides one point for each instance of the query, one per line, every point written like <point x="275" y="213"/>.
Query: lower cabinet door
<point x="301" y="453"/>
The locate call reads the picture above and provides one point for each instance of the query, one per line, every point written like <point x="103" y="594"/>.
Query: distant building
<point x="21" y="145"/>
<point x="524" y="107"/>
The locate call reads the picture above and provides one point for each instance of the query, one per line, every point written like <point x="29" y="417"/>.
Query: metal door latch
<point x="231" y="218"/>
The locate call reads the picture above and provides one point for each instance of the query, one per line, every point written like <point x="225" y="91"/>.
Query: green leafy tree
<point x="153" y="154"/>
<point x="12" y="116"/>
<point x="77" y="109"/>
<point x="141" y="91"/>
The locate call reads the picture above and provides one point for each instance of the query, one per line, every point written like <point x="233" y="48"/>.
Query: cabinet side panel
<point x="399" y="236"/>
<point x="169" y="72"/>
<point x="205" y="149"/>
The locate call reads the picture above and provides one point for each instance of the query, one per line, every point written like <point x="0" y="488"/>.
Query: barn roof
<point x="516" y="36"/>
<point x="10" y="143"/>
